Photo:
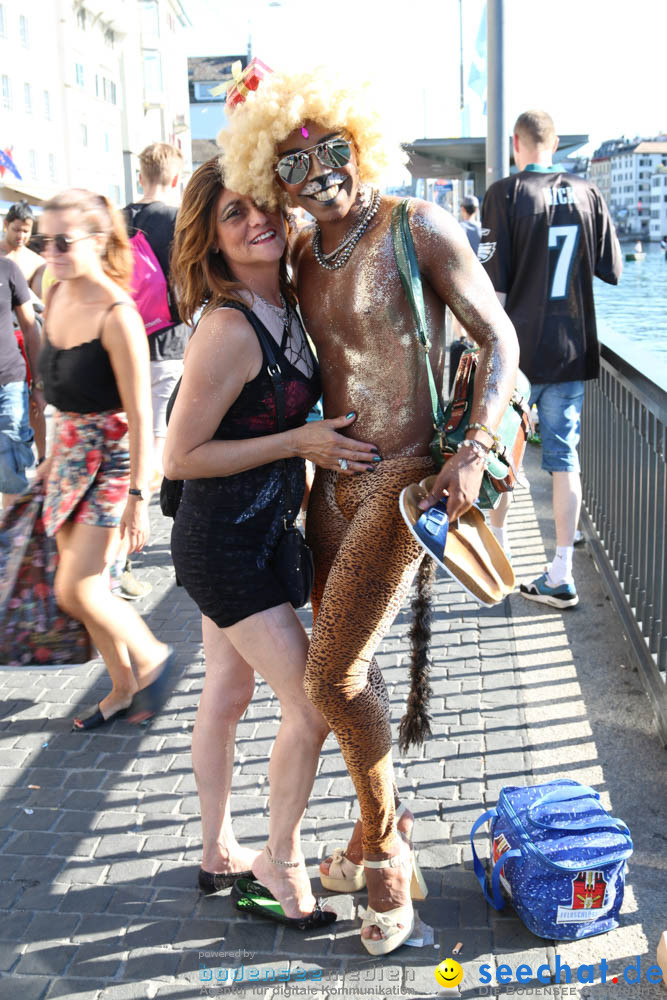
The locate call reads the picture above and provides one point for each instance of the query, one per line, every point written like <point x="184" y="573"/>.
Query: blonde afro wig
<point x="282" y="103"/>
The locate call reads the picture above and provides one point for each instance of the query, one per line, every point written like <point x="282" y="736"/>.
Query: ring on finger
<point x="343" y="463"/>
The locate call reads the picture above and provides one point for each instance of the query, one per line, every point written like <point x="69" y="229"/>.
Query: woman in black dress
<point x="229" y="259"/>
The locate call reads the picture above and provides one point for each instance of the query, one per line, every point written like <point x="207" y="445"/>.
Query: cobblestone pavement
<point x="100" y="843"/>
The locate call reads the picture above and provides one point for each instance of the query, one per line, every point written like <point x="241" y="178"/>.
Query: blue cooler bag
<point x="559" y="856"/>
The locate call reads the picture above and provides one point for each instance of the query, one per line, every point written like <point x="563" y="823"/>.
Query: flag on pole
<point x="7" y="163"/>
<point x="477" y="78"/>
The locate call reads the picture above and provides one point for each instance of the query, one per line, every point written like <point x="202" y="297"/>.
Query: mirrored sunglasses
<point x="293" y="168"/>
<point x="61" y="242"/>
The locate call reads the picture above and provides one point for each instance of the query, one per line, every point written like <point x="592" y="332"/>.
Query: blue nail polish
<point x="376" y="458"/>
<point x="348" y="416"/>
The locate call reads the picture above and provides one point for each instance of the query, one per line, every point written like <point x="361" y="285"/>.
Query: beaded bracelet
<point x="487" y="430"/>
<point x="477" y="447"/>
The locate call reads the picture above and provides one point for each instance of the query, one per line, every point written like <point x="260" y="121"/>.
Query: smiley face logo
<point x="449" y="973"/>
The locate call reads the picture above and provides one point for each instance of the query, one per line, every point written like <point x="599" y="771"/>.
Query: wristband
<point x="136" y="493"/>
<point x="486" y="430"/>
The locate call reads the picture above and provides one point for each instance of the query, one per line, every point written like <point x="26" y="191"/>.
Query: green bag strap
<point x="408" y="268"/>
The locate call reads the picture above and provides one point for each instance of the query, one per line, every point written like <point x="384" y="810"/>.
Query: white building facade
<point x="632" y="169"/>
<point x="82" y="91"/>
<point x="658" y="204"/>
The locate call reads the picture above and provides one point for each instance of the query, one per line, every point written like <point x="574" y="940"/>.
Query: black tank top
<point x="253" y="412"/>
<point x="80" y="379"/>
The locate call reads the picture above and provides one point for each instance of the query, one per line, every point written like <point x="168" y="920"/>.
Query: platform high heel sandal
<point x="395" y="925"/>
<point x="346" y="876"/>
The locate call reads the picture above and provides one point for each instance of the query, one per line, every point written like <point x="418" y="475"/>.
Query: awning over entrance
<point x="12" y="190"/>
<point x="456" y="158"/>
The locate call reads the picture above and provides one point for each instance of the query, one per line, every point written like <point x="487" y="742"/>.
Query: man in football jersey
<point x="549" y="234"/>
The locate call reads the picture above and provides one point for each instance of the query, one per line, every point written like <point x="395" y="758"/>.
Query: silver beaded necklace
<point x="337" y="258"/>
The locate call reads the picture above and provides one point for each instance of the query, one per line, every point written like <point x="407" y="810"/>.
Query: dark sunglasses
<point x="61" y="242"/>
<point x="293" y="168"/>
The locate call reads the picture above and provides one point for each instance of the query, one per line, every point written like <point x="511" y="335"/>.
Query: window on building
<point x="203" y="91"/>
<point x="78" y="74"/>
<point x="27" y="98"/>
<point x="113" y="92"/>
<point x="52" y="167"/>
<point x="6" y="92"/>
<point x="150" y="18"/>
<point x="3" y="22"/>
<point x="32" y="163"/>
<point x="83" y="131"/>
<point x="81" y="19"/>
<point x="152" y="75"/>
<point x="23" y="31"/>
<point x="47" y="105"/>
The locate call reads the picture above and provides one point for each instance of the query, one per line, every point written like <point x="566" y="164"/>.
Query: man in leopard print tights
<point x="304" y="138"/>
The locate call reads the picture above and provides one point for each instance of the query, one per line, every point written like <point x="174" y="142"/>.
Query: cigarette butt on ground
<point x="457" y="947"/>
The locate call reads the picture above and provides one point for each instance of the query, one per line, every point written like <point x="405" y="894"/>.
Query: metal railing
<point x="624" y="473"/>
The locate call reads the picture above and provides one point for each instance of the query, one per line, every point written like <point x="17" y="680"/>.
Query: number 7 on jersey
<point x="564" y="239"/>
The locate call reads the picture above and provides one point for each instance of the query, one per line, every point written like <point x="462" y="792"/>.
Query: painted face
<point x="449" y="973"/>
<point x="330" y="187"/>
<point x="75" y="256"/>
<point x="246" y="234"/>
<point x="17" y="233"/>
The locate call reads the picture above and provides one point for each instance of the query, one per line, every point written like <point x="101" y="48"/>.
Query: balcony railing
<point x="623" y="452"/>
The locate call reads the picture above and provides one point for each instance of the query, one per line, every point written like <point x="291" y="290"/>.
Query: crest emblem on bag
<point x="588" y="898"/>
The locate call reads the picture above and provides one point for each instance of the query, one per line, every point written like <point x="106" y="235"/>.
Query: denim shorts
<point x="559" y="409"/>
<point x="16" y="437"/>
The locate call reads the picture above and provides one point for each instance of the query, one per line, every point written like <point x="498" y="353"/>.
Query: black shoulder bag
<point x="292" y="560"/>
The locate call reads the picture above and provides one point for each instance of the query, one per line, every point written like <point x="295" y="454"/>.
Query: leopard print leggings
<point x="365" y="561"/>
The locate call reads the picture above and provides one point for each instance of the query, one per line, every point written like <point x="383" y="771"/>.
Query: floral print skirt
<point x="90" y="472"/>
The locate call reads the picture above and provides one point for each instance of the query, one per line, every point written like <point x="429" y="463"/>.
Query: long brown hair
<point x="199" y="274"/>
<point x="99" y="216"/>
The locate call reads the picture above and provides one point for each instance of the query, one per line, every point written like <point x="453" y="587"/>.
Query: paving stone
<point x="25" y="987"/>
<point x="74" y="989"/>
<point x="10" y="955"/>
<point x="49" y="960"/>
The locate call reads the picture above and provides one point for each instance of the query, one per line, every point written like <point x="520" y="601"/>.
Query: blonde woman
<point x="94" y="367"/>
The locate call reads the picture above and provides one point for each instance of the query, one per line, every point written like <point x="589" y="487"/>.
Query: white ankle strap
<point x="394" y="862"/>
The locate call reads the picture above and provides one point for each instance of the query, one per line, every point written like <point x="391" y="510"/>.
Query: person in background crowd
<point x="471" y="227"/>
<point x="155" y="215"/>
<point x="307" y="138"/>
<point x="229" y="259"/>
<point x="16" y="396"/>
<point x="550" y="233"/>
<point x="18" y="226"/>
<point x="470" y="221"/>
<point x="94" y="364"/>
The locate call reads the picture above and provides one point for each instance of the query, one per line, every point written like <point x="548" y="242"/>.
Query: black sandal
<point x="252" y="897"/>
<point x="148" y="701"/>
<point x="210" y="882"/>
<point x="95" y="719"/>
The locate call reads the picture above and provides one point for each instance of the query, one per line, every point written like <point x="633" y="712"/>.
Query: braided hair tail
<point x="415" y="725"/>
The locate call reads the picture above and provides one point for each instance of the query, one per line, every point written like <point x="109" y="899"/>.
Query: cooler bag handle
<point x="496" y="900"/>
<point x="570" y="793"/>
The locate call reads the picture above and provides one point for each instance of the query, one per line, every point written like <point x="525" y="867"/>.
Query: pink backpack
<point x="149" y="287"/>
